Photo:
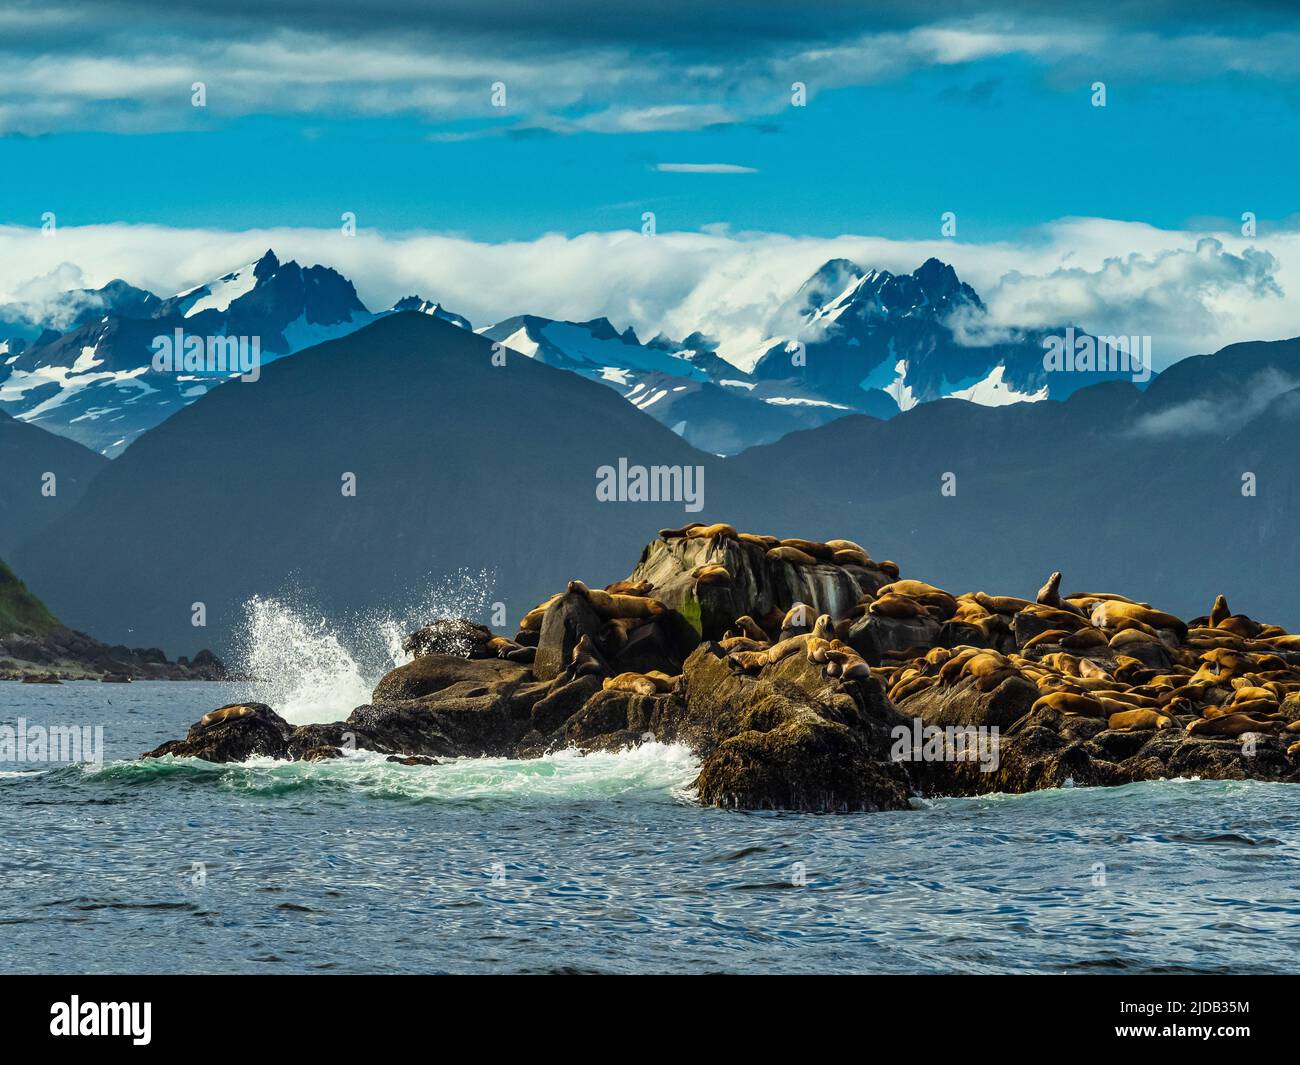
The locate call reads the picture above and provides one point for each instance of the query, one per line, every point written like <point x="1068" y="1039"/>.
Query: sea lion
<point x="679" y="534"/>
<point x="848" y="557"/>
<point x="747" y="661"/>
<point x="790" y="646"/>
<point x="1139" y="721"/>
<point x="1050" y="593"/>
<point x="609" y="606"/>
<point x="711" y="574"/>
<point x="226" y="713"/>
<point x="896" y="606"/>
<point x="1001" y="604"/>
<point x="742" y="643"/>
<point x="532" y="621"/>
<point x="586" y="660"/>
<point x="785" y="553"/>
<point x="630" y="587"/>
<point x="810" y="547"/>
<point x="796" y="618"/>
<point x="751" y="628"/>
<point x="1229" y="726"/>
<point x="889" y="567"/>
<point x="1219" y="612"/>
<point x="1071" y="703"/>
<point x="1110" y="612"/>
<point x="765" y="542"/>
<point x="654" y="683"/>
<point x="708" y="532"/>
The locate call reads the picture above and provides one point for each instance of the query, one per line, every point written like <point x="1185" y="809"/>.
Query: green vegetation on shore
<point x="21" y="612"/>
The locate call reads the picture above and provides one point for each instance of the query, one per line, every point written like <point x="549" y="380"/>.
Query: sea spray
<point x="651" y="771"/>
<point x="310" y="669"/>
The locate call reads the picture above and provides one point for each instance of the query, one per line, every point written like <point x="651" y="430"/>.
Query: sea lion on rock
<point x="823" y="552"/>
<point x="848" y="557"/>
<point x="1050" y="593"/>
<point x="742" y="643"/>
<point x="896" y="606"/>
<point x="785" y="553"/>
<point x="682" y="533"/>
<point x="751" y="628"/>
<point x="226" y="713"/>
<point x="708" y="532"/>
<point x="1109" y="613"/>
<point x="655" y="683"/>
<point x="765" y="542"/>
<point x="1219" y="612"/>
<point x="628" y="587"/>
<point x="711" y="574"/>
<point x="1230" y="726"/>
<point x="1139" y="721"/>
<point x="532" y="621"/>
<point x="1071" y="703"/>
<point x="796" y="619"/>
<point x="617" y="606"/>
<point x="586" y="661"/>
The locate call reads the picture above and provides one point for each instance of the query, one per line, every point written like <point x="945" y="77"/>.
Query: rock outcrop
<point x="807" y="676"/>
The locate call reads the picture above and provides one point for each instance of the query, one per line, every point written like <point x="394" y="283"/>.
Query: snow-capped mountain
<point x="847" y="341"/>
<point x="22" y="324"/>
<point x="684" y="384"/>
<point x="848" y="335"/>
<point x="95" y="382"/>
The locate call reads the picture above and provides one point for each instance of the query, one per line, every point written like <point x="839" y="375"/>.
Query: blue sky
<point x="1126" y="218"/>
<point x="1001" y="130"/>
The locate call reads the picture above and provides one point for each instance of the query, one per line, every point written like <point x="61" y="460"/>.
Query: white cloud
<point x="108" y="77"/>
<point x="1105" y="276"/>
<point x="705" y="168"/>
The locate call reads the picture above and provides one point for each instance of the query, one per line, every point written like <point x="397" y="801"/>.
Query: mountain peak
<point x="267" y="265"/>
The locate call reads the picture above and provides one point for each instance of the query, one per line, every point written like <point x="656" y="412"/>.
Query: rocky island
<point x="36" y="648"/>
<point x="806" y="675"/>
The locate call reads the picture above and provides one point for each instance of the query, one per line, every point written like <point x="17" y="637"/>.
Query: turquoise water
<point x="604" y="863"/>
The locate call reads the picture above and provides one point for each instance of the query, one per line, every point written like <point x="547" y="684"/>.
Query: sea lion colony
<point x="1089" y="687"/>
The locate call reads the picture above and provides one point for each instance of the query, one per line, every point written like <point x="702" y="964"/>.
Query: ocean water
<point x="602" y="863"/>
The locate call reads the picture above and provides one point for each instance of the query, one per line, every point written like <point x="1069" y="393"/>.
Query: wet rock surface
<point x="807" y="676"/>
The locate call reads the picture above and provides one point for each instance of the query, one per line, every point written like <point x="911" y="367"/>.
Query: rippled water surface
<point x="604" y="863"/>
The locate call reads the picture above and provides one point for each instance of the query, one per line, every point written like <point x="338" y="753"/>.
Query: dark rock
<point x="565" y="622"/>
<point x="456" y="637"/>
<point x="964" y="704"/>
<point x="790" y="738"/>
<point x="432" y="672"/>
<point x="260" y="732"/>
<point x="873" y="637"/>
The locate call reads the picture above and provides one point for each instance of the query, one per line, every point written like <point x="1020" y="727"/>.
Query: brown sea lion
<point x="785" y="553"/>
<point x="1071" y="703"/>
<point x="708" y="532"/>
<point x="1139" y="721"/>
<point x="226" y="713"/>
<point x="711" y="574"/>
<point x="1050" y="593"/>
<point x="1230" y="726"/>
